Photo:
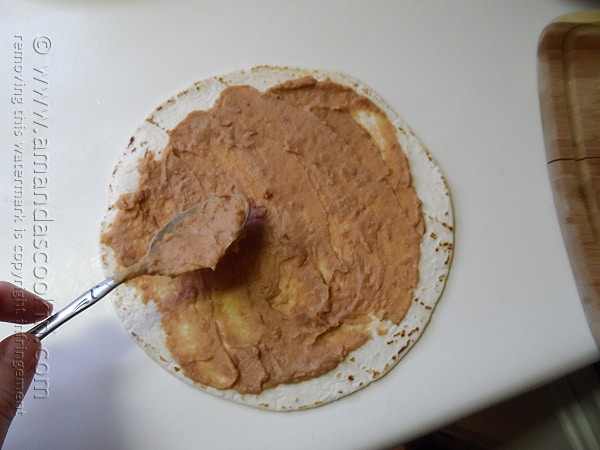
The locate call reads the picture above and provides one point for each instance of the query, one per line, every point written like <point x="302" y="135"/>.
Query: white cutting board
<point x="463" y="76"/>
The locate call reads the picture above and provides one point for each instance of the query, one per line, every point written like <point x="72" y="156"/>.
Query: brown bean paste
<point x="333" y="238"/>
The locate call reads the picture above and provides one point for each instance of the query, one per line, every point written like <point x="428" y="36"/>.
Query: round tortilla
<point x="380" y="353"/>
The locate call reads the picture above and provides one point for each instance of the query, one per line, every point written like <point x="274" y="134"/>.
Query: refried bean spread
<point x="333" y="238"/>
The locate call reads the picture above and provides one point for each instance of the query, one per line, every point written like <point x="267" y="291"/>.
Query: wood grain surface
<point x="569" y="89"/>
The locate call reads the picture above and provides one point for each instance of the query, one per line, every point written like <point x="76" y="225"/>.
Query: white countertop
<point x="462" y="74"/>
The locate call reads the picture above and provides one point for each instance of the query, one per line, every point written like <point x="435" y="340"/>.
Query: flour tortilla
<point x="378" y="355"/>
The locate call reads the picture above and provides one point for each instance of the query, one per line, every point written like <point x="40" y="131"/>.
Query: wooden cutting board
<point x="569" y="89"/>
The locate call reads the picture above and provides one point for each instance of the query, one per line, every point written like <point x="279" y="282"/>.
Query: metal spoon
<point x="205" y="231"/>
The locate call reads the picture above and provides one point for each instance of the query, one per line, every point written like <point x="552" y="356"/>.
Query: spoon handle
<point x="81" y="303"/>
